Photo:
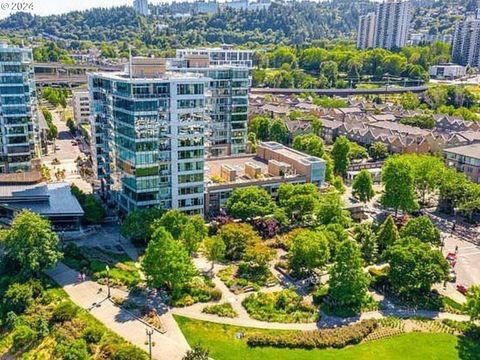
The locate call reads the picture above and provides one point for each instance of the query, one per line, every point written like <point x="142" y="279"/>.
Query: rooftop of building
<point x="48" y="199"/>
<point x="166" y="76"/>
<point x="472" y="150"/>
<point x="223" y="47"/>
<point x="21" y="178"/>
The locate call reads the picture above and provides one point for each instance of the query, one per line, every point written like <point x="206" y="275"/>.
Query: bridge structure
<point x="57" y="74"/>
<point x="385" y="90"/>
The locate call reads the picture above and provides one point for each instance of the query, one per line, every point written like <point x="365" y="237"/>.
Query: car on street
<point x="462" y="289"/>
<point x="452" y="276"/>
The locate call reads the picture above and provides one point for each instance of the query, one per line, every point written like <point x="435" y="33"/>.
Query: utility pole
<point x="149" y="335"/>
<point x="108" y="281"/>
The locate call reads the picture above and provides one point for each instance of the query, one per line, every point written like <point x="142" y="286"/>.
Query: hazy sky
<point x="48" y="7"/>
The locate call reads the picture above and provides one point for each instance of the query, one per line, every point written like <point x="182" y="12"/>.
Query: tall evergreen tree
<point x="387" y="234"/>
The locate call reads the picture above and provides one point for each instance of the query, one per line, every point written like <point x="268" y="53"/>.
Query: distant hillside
<point x="291" y="23"/>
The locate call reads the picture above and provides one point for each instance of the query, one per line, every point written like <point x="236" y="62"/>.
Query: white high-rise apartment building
<point x="386" y="28"/>
<point x="148" y="136"/>
<point x="466" y="42"/>
<point x="366" y="31"/>
<point x="224" y="55"/>
<point x="81" y="107"/>
<point x="141" y="6"/>
<point x="392" y="24"/>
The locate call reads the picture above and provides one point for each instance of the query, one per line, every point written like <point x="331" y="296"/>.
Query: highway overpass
<point x="342" y="92"/>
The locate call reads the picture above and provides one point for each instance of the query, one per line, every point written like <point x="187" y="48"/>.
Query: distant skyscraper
<point x="466" y="42"/>
<point x="366" y="31"/>
<point x="141" y="6"/>
<point x="18" y="104"/>
<point x="392" y="24"/>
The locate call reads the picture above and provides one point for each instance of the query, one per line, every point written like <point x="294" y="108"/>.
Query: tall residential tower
<point x="18" y="110"/>
<point x="466" y="42"/>
<point x="148" y="136"/>
<point x="366" y="31"/>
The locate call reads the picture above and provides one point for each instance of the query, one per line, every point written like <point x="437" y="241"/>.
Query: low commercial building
<point x="272" y="165"/>
<point x="53" y="201"/>
<point x="447" y="71"/>
<point x="465" y="159"/>
<point x="81" y="107"/>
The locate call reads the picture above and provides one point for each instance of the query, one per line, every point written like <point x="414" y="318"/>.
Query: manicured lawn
<point x="222" y="343"/>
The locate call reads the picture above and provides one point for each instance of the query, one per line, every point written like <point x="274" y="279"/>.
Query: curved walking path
<point x="86" y="294"/>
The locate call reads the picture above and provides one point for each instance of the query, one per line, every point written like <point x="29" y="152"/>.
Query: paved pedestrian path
<point x="91" y="296"/>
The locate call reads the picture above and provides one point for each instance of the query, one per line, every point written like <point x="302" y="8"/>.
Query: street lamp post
<point x="149" y="335"/>
<point x="108" y="281"/>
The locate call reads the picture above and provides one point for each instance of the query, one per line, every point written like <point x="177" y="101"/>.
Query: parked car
<point x="452" y="276"/>
<point x="462" y="289"/>
<point x="451" y="257"/>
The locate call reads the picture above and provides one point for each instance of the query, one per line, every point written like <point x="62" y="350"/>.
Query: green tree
<point x="166" y="263"/>
<point x="414" y="267"/>
<point x="348" y="283"/>
<point x="260" y="126"/>
<point x="331" y="210"/>
<point x="310" y="250"/>
<point x="278" y="132"/>
<point x="387" y="234"/>
<point x="409" y="101"/>
<point x="94" y="211"/>
<point x="423" y="229"/>
<point x="316" y="126"/>
<point x="310" y="144"/>
<point x="338" y="184"/>
<point x="329" y="69"/>
<point x="363" y="186"/>
<point x="472" y="305"/>
<point x="435" y="97"/>
<point x="32" y="243"/>
<point x="237" y="237"/>
<point x="193" y="233"/>
<point x="368" y="243"/>
<point x="214" y="249"/>
<point x="299" y="201"/>
<point x="250" y="202"/>
<point x="17" y="298"/>
<point x="427" y="173"/>
<point x="378" y="150"/>
<point x="174" y="221"/>
<point x="137" y="226"/>
<point x="398" y="181"/>
<point x="340" y="151"/>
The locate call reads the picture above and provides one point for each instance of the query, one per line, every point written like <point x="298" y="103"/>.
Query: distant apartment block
<point x="227" y="103"/>
<point x="390" y="31"/>
<point x="148" y="136"/>
<point x="141" y="7"/>
<point x="447" y="71"/>
<point x="466" y="42"/>
<point x="237" y="4"/>
<point x="81" y="107"/>
<point x="206" y="7"/>
<point x="366" y="31"/>
<point x="272" y="165"/>
<point x="465" y="159"/>
<point x="19" y="128"/>
<point x="224" y="55"/>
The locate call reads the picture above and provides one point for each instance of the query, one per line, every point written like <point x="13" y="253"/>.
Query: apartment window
<point x="190" y="103"/>
<point x="189" y="89"/>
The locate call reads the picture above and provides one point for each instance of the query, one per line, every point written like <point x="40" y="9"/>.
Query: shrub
<point x="18" y="297"/>
<point x="72" y="350"/>
<point x="222" y="310"/>
<point x="93" y="334"/>
<point x="23" y="337"/>
<point x="65" y="311"/>
<point x="319" y="294"/>
<point x="281" y="306"/>
<point x="336" y="338"/>
<point x="129" y="352"/>
<point x="467" y="328"/>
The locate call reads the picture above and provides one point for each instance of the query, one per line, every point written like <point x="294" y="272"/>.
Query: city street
<point x="66" y="153"/>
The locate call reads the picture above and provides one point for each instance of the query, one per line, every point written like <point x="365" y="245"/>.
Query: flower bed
<point x="282" y="306"/>
<point x="222" y="310"/>
<point x="201" y="289"/>
<point x="336" y="338"/>
<point x="238" y="281"/>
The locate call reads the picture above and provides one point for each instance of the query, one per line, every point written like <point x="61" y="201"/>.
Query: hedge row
<point x="336" y="338"/>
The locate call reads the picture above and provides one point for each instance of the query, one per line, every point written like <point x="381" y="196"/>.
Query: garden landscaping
<point x="282" y="306"/>
<point x="239" y="279"/>
<point x="222" y="310"/>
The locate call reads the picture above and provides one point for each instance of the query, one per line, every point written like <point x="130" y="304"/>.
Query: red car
<point x="462" y="289"/>
<point x="451" y="256"/>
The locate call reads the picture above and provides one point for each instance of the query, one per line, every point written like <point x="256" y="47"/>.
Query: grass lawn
<point x="220" y="340"/>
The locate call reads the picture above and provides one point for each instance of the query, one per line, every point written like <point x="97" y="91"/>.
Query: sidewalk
<point x="171" y="345"/>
